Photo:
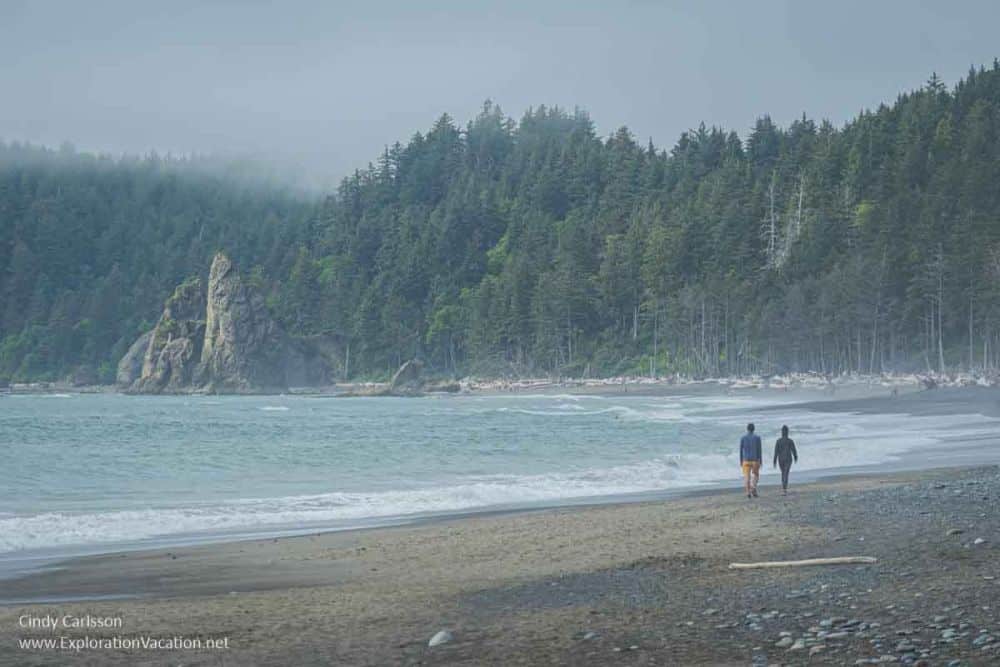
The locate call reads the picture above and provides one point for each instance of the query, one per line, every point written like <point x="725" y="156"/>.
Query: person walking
<point x="750" y="460"/>
<point x="784" y="453"/>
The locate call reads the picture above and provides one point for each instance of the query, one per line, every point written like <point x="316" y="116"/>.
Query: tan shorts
<point x="751" y="467"/>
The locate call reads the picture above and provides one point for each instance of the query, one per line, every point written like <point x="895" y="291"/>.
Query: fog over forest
<point x="647" y="200"/>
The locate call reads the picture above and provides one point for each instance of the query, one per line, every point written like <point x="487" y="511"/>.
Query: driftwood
<point x="838" y="560"/>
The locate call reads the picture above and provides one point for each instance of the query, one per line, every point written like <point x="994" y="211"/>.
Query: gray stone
<point x="130" y="365"/>
<point x="223" y="341"/>
<point x="170" y="363"/>
<point x="442" y="637"/>
<point x="245" y="351"/>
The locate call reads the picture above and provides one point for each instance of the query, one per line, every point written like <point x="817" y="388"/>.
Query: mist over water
<point x="87" y="470"/>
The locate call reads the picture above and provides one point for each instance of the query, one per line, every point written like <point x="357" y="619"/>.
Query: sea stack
<point x="245" y="350"/>
<point x="170" y="364"/>
<point x="222" y="340"/>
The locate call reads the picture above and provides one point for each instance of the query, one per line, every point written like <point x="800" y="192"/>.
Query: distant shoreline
<point x="610" y="385"/>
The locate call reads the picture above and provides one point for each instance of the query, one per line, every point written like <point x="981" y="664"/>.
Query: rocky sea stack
<point x="222" y="340"/>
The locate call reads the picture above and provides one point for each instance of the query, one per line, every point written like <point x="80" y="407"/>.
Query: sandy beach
<point x="641" y="583"/>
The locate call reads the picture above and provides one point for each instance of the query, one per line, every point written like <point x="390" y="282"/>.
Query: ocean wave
<point x="58" y="529"/>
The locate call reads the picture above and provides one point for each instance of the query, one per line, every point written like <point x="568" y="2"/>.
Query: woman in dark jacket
<point x="784" y="453"/>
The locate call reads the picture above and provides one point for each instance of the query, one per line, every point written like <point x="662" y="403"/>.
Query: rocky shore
<point x="635" y="584"/>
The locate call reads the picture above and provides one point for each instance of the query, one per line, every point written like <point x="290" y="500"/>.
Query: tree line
<point x="537" y="246"/>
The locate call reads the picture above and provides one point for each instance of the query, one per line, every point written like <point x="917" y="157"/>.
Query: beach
<point x="640" y="583"/>
<point x="609" y="582"/>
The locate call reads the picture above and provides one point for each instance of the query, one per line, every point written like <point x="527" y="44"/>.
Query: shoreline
<point x="959" y="453"/>
<point x="23" y="578"/>
<point x="801" y="381"/>
<point x="59" y="567"/>
<point x="641" y="581"/>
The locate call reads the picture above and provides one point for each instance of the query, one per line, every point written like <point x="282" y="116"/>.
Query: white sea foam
<point x="824" y="440"/>
<point x="274" y="408"/>
<point x="54" y="529"/>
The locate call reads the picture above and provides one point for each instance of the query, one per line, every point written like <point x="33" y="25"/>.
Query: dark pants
<point x="785" y="467"/>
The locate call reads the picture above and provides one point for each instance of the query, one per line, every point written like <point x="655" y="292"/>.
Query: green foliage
<point x="538" y="247"/>
<point x="91" y="247"/>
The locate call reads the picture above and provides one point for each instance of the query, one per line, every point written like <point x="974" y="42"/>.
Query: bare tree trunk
<point x="771" y="224"/>
<point x="939" y="262"/>
<point x="703" y="351"/>
<point x="972" y="353"/>
<point x="656" y="332"/>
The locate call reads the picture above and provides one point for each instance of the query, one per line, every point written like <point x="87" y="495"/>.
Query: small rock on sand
<point x="442" y="637"/>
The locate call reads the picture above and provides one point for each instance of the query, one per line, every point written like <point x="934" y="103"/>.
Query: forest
<point x="538" y="247"/>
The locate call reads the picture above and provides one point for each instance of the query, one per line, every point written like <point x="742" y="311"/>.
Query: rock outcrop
<point x="172" y="357"/>
<point x="130" y="366"/>
<point x="222" y="340"/>
<point x="245" y="350"/>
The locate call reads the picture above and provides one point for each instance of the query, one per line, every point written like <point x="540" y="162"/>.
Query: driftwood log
<point x="838" y="560"/>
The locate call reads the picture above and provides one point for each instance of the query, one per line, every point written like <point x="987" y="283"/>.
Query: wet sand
<point x="642" y="583"/>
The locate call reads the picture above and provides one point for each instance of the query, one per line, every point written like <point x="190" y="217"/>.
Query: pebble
<point x="710" y="612"/>
<point x="784" y="642"/>
<point x="819" y="648"/>
<point x="955" y="531"/>
<point x="798" y="645"/>
<point x="442" y="637"/>
<point x="978" y="541"/>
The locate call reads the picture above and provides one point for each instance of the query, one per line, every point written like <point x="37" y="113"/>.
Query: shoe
<point x="755" y="493"/>
<point x="749" y="496"/>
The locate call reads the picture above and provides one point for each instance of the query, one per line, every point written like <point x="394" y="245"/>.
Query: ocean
<point x="89" y="473"/>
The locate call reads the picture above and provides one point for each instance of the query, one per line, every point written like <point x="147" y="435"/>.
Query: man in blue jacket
<point x="751" y="455"/>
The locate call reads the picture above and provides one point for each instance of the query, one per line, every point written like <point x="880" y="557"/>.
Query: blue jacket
<point x="750" y="448"/>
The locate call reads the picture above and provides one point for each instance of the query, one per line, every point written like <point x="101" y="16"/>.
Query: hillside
<point x="539" y="247"/>
<point x="90" y="247"/>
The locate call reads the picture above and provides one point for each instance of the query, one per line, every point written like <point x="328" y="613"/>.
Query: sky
<point x="319" y="88"/>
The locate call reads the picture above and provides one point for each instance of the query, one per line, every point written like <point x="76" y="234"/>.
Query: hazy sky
<point x="326" y="84"/>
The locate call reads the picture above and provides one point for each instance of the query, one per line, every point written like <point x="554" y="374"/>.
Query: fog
<point x="318" y="88"/>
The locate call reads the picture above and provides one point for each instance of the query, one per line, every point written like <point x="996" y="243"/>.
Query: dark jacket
<point x="750" y="449"/>
<point x="784" y="451"/>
